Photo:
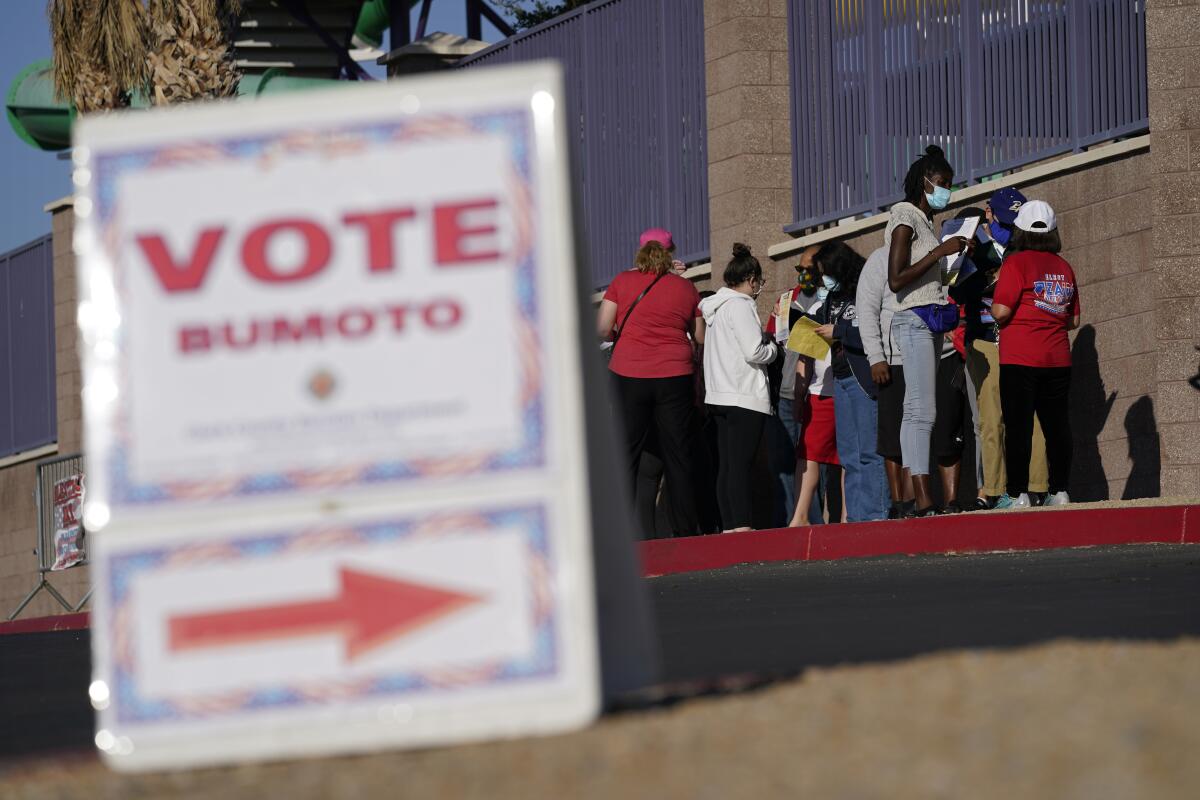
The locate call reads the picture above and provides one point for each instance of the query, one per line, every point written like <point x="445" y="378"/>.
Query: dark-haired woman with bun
<point x="736" y="355"/>
<point x="915" y="256"/>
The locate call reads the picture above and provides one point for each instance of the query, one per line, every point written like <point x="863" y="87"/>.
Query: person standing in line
<point x="1036" y="303"/>
<point x="817" y="446"/>
<point x="784" y="431"/>
<point x="736" y="355"/>
<point x="915" y="269"/>
<point x="865" y="486"/>
<point x="982" y="354"/>
<point x="652" y="315"/>
<point x="875" y="305"/>
<point x="949" y="428"/>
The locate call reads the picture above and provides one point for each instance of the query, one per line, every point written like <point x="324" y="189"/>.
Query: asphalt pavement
<point x="773" y="619"/>
<point x="781" y="618"/>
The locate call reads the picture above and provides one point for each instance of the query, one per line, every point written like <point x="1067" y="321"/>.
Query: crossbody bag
<point x="625" y="321"/>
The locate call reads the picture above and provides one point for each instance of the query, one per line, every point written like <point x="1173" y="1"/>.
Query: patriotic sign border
<point x="516" y="127"/>
<point x="132" y="707"/>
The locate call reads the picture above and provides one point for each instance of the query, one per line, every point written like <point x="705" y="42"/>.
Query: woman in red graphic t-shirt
<point x="1036" y="301"/>
<point x="652" y="315"/>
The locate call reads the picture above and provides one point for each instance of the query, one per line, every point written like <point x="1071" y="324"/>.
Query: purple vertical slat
<point x="1041" y="117"/>
<point x="7" y="388"/>
<point x="797" y="74"/>
<point x="876" y="92"/>
<point x="825" y="112"/>
<point x="1102" y="80"/>
<point x="1142" y="85"/>
<point x="1096" y="60"/>
<point x="839" y="131"/>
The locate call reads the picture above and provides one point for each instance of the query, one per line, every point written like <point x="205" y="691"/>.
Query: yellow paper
<point x="805" y="341"/>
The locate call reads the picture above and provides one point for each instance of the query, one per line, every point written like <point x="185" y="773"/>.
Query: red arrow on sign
<point x="368" y="611"/>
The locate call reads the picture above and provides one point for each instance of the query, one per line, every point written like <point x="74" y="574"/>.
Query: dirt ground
<point x="1063" y="720"/>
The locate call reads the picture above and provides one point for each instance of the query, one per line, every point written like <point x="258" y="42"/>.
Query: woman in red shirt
<point x="1036" y="302"/>
<point x="653" y="363"/>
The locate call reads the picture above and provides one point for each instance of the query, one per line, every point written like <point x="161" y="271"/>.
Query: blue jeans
<point x="919" y="348"/>
<point x="857" y="422"/>
<point x="781" y="434"/>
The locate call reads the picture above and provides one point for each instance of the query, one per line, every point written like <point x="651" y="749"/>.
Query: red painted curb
<point x="960" y="533"/>
<point x="60" y="622"/>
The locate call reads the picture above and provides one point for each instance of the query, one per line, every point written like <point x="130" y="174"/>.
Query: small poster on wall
<point x="68" y="522"/>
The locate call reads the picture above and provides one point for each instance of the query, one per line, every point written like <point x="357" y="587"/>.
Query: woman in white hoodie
<point x="736" y="355"/>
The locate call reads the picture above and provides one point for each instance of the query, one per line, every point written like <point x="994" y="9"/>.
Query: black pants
<point x="667" y="404"/>
<point x="1041" y="390"/>
<point x="738" y="433"/>
<point x="951" y="404"/>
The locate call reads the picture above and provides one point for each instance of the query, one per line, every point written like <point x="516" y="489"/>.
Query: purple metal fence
<point x="28" y="411"/>
<point x="996" y="83"/>
<point x="635" y="98"/>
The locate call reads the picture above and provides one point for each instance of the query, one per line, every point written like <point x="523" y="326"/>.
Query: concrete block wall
<point x="749" y="130"/>
<point x="1173" y="60"/>
<point x="18" y="520"/>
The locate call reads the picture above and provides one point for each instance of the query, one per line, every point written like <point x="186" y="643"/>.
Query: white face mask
<point x="822" y="293"/>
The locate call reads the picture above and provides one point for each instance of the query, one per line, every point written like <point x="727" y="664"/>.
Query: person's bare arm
<point x="606" y="317"/>
<point x="696" y="328"/>
<point x="1001" y="313"/>
<point x="900" y="272"/>
<point x="804" y="372"/>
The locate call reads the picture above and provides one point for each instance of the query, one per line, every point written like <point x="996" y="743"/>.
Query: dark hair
<point x="932" y="163"/>
<point x="970" y="211"/>
<point x="653" y="259"/>
<point x="839" y="261"/>
<point x="742" y="267"/>
<point x="1041" y="241"/>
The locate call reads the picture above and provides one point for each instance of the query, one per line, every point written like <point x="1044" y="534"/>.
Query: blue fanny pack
<point x="939" y="319"/>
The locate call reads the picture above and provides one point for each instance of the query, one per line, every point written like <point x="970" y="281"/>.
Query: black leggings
<point x="668" y="404"/>
<point x="1024" y="391"/>
<point x="738" y="433"/>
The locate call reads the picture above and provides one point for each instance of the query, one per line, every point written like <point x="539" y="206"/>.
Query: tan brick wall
<point x="749" y="131"/>
<point x="18" y="511"/>
<point x="1104" y="216"/>
<point x="1173" y="67"/>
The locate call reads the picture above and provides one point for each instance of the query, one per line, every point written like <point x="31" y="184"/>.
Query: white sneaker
<point x="1020" y="501"/>
<point x="1057" y="499"/>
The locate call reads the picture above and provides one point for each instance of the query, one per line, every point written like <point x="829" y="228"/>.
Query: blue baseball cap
<point x="1005" y="203"/>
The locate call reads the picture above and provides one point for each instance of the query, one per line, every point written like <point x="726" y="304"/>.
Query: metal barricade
<point x="61" y="538"/>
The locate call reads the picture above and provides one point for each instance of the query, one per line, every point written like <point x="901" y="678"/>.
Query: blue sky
<point x="30" y="178"/>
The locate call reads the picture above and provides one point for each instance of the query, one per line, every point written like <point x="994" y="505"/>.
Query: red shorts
<point x="818" y="437"/>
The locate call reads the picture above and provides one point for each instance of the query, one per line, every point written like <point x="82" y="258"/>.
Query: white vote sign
<point x="332" y="397"/>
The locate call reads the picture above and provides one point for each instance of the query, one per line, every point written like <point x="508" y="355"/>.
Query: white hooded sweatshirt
<point x="735" y="353"/>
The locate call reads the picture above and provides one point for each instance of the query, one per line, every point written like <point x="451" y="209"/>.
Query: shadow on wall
<point x="1142" y="430"/>
<point x="1090" y="407"/>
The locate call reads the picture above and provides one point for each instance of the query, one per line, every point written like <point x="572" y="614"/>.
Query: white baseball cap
<point x="1036" y="216"/>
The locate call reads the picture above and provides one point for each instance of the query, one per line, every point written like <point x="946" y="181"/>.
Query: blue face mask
<point x="1000" y="234"/>
<point x="940" y="197"/>
<point x="822" y="293"/>
<point x="831" y="284"/>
